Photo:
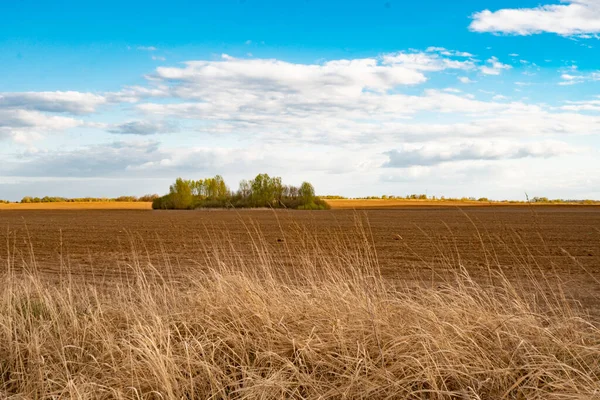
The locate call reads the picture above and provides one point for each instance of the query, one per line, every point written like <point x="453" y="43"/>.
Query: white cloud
<point x="437" y="153"/>
<point x="334" y="78"/>
<point x="450" y="53"/>
<point x="283" y="103"/>
<point x="27" y="116"/>
<point x="144" y="128"/>
<point x="589" y="105"/>
<point x="148" y="159"/>
<point x="159" y="58"/>
<point x="60" y="102"/>
<point x="29" y="119"/>
<point x="494" y="67"/>
<point x="570" y="79"/>
<point x="25" y="126"/>
<point x="111" y="159"/>
<point x="426" y="61"/>
<point x="576" y="17"/>
<point x="464" y="79"/>
<point x="147" y="48"/>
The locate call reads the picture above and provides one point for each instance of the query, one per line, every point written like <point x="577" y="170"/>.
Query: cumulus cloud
<point x="102" y="160"/>
<point x="149" y="159"/>
<point x="285" y="106"/>
<point x="57" y="102"/>
<point x="271" y="116"/>
<point x="23" y="126"/>
<point x="144" y="127"/>
<point x="494" y="67"/>
<point x="589" y="105"/>
<point x="433" y="154"/>
<point x="28" y="116"/>
<point x="34" y="119"/>
<point x="333" y="78"/>
<point x="574" y="17"/>
<point x="573" y="79"/>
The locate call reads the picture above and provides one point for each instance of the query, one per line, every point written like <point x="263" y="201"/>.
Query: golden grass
<point x="108" y="205"/>
<point x="245" y="326"/>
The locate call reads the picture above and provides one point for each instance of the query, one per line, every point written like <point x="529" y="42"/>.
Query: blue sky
<point x="470" y="98"/>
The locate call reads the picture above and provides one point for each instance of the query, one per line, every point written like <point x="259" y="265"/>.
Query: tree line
<point x="54" y="199"/>
<point x="262" y="191"/>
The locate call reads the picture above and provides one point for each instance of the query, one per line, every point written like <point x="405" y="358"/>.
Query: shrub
<point x="163" y="203"/>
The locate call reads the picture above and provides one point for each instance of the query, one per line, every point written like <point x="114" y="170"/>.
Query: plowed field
<point x="552" y="243"/>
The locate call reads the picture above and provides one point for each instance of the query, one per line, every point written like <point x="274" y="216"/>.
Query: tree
<point x="262" y="190"/>
<point x="181" y="194"/>
<point x="307" y="193"/>
<point x="221" y="190"/>
<point x="245" y="190"/>
<point x="277" y="189"/>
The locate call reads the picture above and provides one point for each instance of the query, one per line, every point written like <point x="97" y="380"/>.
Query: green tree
<point x="262" y="190"/>
<point x="181" y="194"/>
<point x="221" y="191"/>
<point x="307" y="193"/>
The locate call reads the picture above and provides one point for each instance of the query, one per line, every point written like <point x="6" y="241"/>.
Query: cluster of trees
<point x="51" y="199"/>
<point x="262" y="191"/>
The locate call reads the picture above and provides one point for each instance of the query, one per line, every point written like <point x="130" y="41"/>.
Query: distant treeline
<point x="262" y="191"/>
<point x="538" y="200"/>
<point x="49" y="199"/>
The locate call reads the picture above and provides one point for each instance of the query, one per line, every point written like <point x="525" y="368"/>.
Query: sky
<point x="486" y="98"/>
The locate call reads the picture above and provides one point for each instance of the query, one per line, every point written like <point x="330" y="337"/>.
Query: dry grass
<point x="243" y="325"/>
<point x="108" y="205"/>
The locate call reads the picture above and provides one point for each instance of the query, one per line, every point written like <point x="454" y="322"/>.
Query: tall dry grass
<point x="246" y="326"/>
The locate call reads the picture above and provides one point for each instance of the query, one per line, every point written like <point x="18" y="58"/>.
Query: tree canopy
<point x="262" y="191"/>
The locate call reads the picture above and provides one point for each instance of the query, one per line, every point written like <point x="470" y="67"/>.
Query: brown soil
<point x="554" y="243"/>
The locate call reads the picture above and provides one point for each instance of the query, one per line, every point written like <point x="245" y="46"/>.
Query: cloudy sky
<point x="493" y="98"/>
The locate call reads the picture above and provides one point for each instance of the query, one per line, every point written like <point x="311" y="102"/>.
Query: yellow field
<point x="109" y="205"/>
<point x="380" y="203"/>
